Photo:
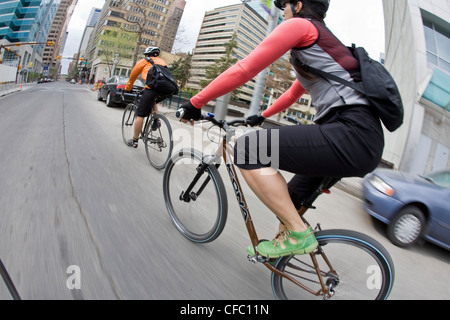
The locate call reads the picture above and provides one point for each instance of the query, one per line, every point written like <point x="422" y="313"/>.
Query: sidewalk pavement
<point x="352" y="186"/>
<point x="10" y="90"/>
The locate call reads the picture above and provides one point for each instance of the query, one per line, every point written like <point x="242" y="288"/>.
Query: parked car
<point x="292" y="119"/>
<point x="112" y="90"/>
<point x="412" y="206"/>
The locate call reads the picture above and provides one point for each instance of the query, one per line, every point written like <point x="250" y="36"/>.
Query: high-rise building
<point x="149" y="19"/>
<point x="57" y="34"/>
<point x="27" y="21"/>
<point x="174" y="19"/>
<point x="418" y="56"/>
<point x="218" y="27"/>
<point x="18" y="19"/>
<point x="90" y="25"/>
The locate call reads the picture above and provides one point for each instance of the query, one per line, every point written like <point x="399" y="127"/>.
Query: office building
<point x="35" y="21"/>
<point x="57" y="34"/>
<point x="218" y="27"/>
<point x="148" y="19"/>
<point x="173" y="22"/>
<point x="418" y="56"/>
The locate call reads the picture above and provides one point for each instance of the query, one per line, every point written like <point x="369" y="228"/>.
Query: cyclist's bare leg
<point x="138" y="124"/>
<point x="271" y="188"/>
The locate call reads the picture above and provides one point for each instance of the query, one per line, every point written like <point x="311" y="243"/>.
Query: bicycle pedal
<point x="259" y="258"/>
<point x="252" y="259"/>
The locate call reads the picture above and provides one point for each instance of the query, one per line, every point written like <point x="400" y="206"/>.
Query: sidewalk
<point x="9" y="89"/>
<point x="352" y="186"/>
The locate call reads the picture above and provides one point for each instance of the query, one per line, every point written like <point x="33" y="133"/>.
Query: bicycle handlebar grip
<point x="179" y="113"/>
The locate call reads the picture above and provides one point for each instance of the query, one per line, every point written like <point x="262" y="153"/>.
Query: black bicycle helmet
<point x="152" y="51"/>
<point x="281" y="4"/>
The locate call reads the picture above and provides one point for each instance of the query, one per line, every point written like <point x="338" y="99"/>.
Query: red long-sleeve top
<point x="289" y="34"/>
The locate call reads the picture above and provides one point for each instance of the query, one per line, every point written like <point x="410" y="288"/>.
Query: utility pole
<point x="261" y="80"/>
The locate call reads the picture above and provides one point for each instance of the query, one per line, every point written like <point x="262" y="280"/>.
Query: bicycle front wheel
<point x="195" y="196"/>
<point x="128" y="117"/>
<point x="353" y="266"/>
<point x="158" y="141"/>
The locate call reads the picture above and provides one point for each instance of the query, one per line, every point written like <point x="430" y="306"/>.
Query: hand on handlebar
<point x="255" y="120"/>
<point x="188" y="112"/>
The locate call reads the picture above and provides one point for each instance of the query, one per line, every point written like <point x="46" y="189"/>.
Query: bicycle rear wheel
<point x="158" y="141"/>
<point x="128" y="117"/>
<point x="363" y="269"/>
<point x="195" y="196"/>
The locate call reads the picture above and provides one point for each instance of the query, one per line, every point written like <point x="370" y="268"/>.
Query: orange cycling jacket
<point x="141" y="68"/>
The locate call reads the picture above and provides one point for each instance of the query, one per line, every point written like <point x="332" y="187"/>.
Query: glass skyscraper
<point x="26" y="20"/>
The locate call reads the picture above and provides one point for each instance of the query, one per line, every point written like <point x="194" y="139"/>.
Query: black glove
<point x="255" y="120"/>
<point x="191" y="112"/>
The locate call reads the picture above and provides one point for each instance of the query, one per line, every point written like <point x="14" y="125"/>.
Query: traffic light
<point x="50" y="43"/>
<point x="58" y="58"/>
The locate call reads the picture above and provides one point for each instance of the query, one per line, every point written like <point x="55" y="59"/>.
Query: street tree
<point x="181" y="70"/>
<point x="116" y="45"/>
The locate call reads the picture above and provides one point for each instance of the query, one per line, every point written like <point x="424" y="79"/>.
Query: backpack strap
<point x="330" y="76"/>
<point x="150" y="60"/>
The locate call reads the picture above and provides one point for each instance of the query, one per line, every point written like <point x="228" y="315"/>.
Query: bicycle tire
<point x="159" y="142"/>
<point x="367" y="273"/>
<point x="202" y="217"/>
<point x="129" y="114"/>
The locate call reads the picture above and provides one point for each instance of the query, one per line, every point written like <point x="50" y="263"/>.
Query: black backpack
<point x="161" y="80"/>
<point x="377" y="85"/>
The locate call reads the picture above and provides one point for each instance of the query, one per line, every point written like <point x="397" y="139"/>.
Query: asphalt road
<point x="83" y="216"/>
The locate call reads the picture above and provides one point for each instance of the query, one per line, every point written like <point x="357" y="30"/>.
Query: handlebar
<point x="223" y="124"/>
<point x="135" y="92"/>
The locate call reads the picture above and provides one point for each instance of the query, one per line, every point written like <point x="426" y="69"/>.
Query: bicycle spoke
<point x="364" y="267"/>
<point x="195" y="198"/>
<point x="158" y="143"/>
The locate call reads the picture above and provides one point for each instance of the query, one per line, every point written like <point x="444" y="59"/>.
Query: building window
<point x="437" y="39"/>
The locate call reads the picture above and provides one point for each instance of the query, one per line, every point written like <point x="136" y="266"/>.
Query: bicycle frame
<point x="225" y="150"/>
<point x="147" y="119"/>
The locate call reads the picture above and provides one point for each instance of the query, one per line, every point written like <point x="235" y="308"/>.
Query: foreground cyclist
<point x="150" y="97"/>
<point x="347" y="139"/>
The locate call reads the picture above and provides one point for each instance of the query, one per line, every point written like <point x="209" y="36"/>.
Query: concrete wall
<point x="406" y="59"/>
<point x="7" y="73"/>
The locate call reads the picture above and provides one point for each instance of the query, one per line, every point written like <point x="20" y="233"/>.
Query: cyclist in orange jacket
<point x="150" y="97"/>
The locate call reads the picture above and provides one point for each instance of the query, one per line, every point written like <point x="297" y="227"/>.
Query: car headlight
<point x="381" y="186"/>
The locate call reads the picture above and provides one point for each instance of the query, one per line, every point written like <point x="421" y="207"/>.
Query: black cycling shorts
<point x="147" y="102"/>
<point x="348" y="143"/>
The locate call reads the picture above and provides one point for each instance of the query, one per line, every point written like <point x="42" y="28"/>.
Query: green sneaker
<point x="305" y="242"/>
<point x="250" y="251"/>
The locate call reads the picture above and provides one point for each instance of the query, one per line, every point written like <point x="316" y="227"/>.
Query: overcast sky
<point x="352" y="21"/>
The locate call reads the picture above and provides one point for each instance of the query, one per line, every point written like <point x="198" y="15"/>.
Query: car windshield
<point x="442" y="178"/>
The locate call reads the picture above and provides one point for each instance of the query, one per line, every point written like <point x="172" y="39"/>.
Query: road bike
<point x="156" y="133"/>
<point x="346" y="265"/>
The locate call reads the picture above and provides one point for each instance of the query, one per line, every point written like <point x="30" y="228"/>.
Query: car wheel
<point x="99" y="96"/>
<point x="407" y="226"/>
<point x="109" y="103"/>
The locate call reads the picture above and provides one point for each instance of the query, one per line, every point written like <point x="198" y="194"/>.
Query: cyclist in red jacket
<point x="346" y="140"/>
